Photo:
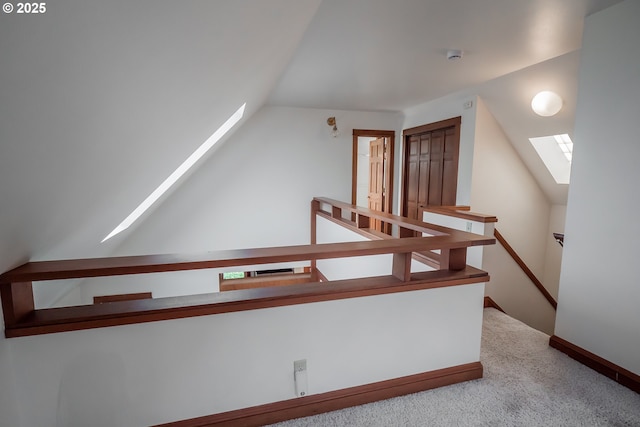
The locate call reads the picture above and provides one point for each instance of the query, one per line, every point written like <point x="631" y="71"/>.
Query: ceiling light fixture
<point x="546" y="103"/>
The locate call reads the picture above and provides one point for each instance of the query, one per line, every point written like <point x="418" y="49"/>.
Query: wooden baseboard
<point x="490" y="303"/>
<point x="597" y="363"/>
<point x="334" y="400"/>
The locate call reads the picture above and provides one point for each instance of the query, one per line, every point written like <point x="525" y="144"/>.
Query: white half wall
<point x="599" y="285"/>
<point x="354" y="267"/>
<point x="145" y="374"/>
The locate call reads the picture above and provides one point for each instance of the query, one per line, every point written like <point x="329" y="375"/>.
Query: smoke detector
<point x="454" y="54"/>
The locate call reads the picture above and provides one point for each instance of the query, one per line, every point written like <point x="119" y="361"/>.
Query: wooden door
<point x="388" y="136"/>
<point x="376" y="179"/>
<point x="431" y="166"/>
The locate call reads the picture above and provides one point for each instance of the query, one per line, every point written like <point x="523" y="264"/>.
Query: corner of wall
<point x="503" y="186"/>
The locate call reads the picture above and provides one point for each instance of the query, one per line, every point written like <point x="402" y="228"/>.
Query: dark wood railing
<point x="464" y="212"/>
<point x="523" y="266"/>
<point x="22" y="318"/>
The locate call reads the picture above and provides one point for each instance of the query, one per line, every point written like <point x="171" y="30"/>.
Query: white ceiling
<point x="391" y="55"/>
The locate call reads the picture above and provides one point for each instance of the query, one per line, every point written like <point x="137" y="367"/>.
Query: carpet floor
<point x="525" y="383"/>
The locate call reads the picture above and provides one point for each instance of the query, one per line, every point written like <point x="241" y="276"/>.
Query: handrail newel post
<point x="453" y="259"/>
<point x="402" y="266"/>
<point x="406" y="232"/>
<point x="336" y="212"/>
<point x="17" y="301"/>
<point x="315" y="207"/>
<point x="364" y="221"/>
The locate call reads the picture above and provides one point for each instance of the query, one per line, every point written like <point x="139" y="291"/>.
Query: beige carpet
<point x="526" y="383"/>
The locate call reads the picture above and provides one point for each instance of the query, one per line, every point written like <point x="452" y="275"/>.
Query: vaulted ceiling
<point x="94" y="92"/>
<point x="390" y="55"/>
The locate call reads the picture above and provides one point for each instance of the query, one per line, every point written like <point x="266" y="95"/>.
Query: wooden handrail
<point x="22" y="318"/>
<point x="538" y="284"/>
<point x="116" y="266"/>
<point x="404" y="222"/>
<point x="148" y="310"/>
<point x="361" y="218"/>
<point x="463" y="212"/>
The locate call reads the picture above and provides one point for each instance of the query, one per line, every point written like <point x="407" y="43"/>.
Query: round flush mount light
<point x="546" y="103"/>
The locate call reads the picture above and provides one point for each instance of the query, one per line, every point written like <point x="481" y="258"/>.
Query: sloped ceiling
<point x="391" y="54"/>
<point x="102" y="100"/>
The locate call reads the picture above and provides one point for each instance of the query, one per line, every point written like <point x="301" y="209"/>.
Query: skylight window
<point x="556" y="152"/>
<point x="177" y="174"/>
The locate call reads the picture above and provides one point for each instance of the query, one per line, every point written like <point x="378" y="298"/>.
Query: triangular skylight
<point x="556" y="152"/>
<point x="181" y="170"/>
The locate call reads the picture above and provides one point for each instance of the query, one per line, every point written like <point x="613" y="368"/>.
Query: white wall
<point x="254" y="191"/>
<point x="599" y="292"/>
<point x="504" y="187"/>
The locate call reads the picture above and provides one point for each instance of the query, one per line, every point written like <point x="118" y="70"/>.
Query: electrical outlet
<point x="469" y="226"/>
<point x="467" y="105"/>
<point x="300" y="377"/>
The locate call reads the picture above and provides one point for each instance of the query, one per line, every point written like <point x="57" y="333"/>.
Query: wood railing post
<point x="315" y="207"/>
<point x="402" y="266"/>
<point x="453" y="259"/>
<point x="406" y="232"/>
<point x="364" y="221"/>
<point x="336" y="212"/>
<point x="17" y="301"/>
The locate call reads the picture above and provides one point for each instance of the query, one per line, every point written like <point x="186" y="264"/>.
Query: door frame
<point x="455" y="122"/>
<point x="388" y="165"/>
